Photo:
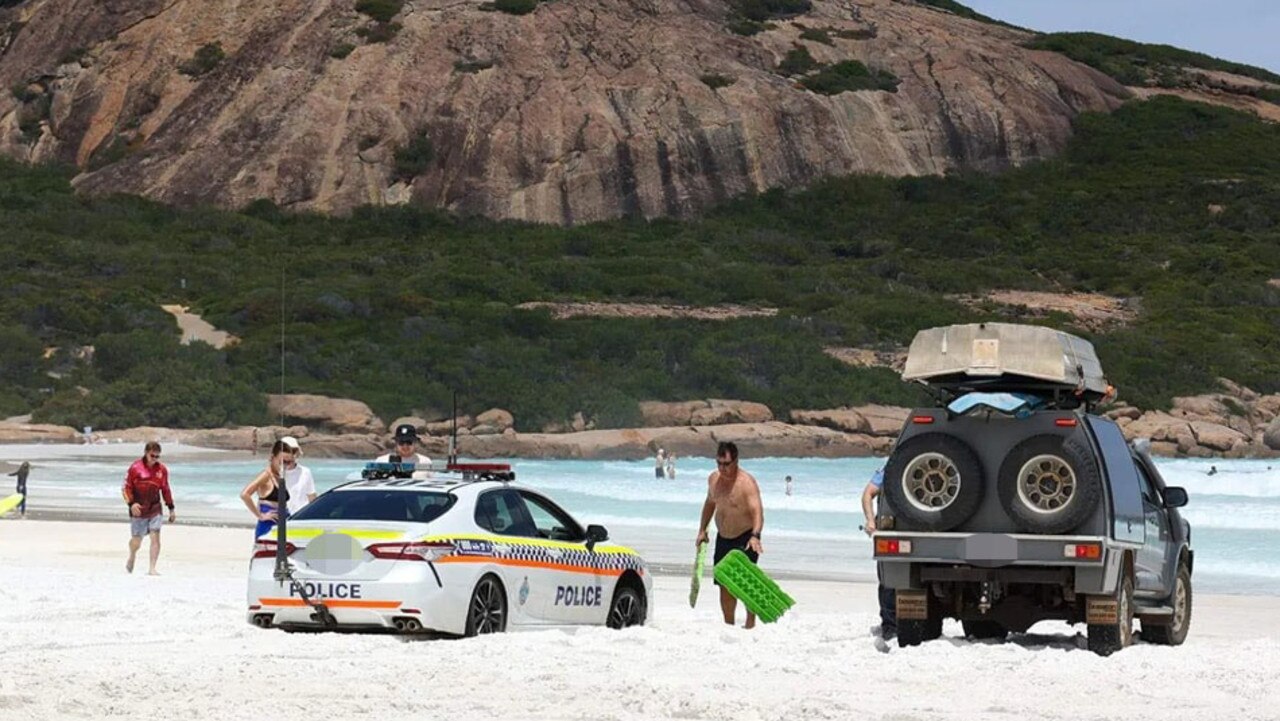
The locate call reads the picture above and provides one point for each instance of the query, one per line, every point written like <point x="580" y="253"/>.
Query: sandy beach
<point x="83" y="639"/>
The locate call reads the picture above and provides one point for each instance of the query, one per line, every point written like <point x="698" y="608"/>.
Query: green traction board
<point x="10" y="503"/>
<point x="699" y="563"/>
<point x="750" y="585"/>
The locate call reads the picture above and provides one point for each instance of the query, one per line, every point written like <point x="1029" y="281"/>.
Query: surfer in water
<point x="733" y="496"/>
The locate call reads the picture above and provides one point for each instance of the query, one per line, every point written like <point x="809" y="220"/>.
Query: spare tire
<point x="1049" y="484"/>
<point x="934" y="481"/>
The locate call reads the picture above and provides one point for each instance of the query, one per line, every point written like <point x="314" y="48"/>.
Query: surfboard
<point x="10" y="503"/>
<point x="695" y="584"/>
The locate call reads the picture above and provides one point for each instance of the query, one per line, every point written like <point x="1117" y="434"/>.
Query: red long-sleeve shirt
<point x="145" y="486"/>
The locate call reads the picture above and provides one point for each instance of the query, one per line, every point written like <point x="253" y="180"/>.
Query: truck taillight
<point x="412" y="551"/>
<point x="923" y="420"/>
<point x="1084" y="551"/>
<point x="892" y="547"/>
<point x="1065" y="422"/>
<point x="267" y="549"/>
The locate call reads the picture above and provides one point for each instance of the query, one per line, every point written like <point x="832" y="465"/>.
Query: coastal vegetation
<point x="1171" y="203"/>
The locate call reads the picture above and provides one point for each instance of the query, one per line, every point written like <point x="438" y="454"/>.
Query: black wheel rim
<point x="488" y="612"/>
<point x="625" y="611"/>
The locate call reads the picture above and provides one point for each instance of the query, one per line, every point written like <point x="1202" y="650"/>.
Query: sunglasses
<point x="724" y="464"/>
<point x="153" y="456"/>
<point x="404" y="443"/>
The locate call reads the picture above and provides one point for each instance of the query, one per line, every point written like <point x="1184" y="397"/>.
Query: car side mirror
<point x="1175" y="497"/>
<point x="596" y="534"/>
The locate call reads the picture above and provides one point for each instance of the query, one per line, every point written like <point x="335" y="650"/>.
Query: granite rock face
<point x="582" y="110"/>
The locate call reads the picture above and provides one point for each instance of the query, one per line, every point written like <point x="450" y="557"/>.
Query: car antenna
<point x="453" y="435"/>
<point x="283" y="573"/>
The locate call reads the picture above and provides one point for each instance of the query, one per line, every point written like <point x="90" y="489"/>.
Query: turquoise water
<point x="1235" y="514"/>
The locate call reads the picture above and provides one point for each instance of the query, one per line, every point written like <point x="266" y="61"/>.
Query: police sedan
<point x="448" y="554"/>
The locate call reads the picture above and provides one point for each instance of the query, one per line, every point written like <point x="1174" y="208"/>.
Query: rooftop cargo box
<point x="1006" y="357"/>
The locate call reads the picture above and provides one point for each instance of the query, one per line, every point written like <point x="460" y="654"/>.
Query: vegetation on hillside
<point x="1143" y="64"/>
<point x="399" y="307"/>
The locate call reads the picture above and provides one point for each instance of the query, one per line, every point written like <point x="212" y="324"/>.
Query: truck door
<point x="1151" y="561"/>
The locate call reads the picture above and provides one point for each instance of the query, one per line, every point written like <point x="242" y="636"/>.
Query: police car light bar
<point x="479" y="467"/>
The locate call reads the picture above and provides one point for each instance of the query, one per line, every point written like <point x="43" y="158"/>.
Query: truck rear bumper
<point x="1088" y="564"/>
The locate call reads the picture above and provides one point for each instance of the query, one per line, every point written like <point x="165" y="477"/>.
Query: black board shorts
<point x="724" y="544"/>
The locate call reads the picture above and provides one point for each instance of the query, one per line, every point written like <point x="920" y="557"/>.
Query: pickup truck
<point x="1011" y="502"/>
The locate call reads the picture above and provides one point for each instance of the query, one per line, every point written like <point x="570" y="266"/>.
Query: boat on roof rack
<point x="1007" y="357"/>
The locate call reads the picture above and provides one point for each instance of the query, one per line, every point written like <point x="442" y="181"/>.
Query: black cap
<point x="406" y="432"/>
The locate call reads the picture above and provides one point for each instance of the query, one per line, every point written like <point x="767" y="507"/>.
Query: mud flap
<point x="1102" y="610"/>
<point x="912" y="606"/>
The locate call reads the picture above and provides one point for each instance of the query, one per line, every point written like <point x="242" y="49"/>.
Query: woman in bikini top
<point x="267" y="486"/>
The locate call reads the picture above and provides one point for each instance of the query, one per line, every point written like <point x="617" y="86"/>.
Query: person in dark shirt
<point x="23" y="471"/>
<point x="145" y="484"/>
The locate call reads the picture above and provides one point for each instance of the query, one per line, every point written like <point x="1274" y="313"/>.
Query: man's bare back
<point x="735" y="498"/>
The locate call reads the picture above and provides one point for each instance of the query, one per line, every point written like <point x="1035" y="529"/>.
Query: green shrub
<point x="847" y="76"/>
<point x="379" y="32"/>
<point x="341" y="50"/>
<point x="956" y="8"/>
<point x="415" y="158"/>
<point x="472" y="66"/>
<point x="515" y="7"/>
<point x="817" y="35"/>
<point x="381" y="11"/>
<point x="73" y="56"/>
<point x="798" y="61"/>
<point x="743" y="26"/>
<point x="205" y="59"/>
<point x="715" y="82"/>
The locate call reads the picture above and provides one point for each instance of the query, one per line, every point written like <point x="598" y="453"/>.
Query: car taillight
<point x="892" y="547"/>
<point x="1084" y="551"/>
<point x="267" y="549"/>
<point x="413" y="551"/>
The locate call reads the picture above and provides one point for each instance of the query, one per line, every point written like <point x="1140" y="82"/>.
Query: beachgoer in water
<point x="266" y="486"/>
<point x="733" y="496"/>
<point x="671" y="466"/>
<point x="659" y="464"/>
<point x="298" y="479"/>
<point x="789" y="487"/>
<point x="23" y="471"/>
<point x="1213" y="470"/>
<point x="888" y="597"/>
<point x="145" y="484"/>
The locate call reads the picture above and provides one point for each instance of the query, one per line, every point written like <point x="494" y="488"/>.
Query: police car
<point x="462" y="552"/>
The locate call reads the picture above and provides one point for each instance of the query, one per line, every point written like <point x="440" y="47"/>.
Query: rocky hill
<point x="566" y="111"/>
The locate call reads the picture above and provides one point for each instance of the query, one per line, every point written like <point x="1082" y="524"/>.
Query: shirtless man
<point x="734" y="497"/>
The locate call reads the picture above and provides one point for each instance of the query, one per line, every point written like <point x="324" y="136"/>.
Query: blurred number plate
<point x="986" y="355"/>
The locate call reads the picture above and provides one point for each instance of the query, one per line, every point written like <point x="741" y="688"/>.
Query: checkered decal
<point x="600" y="559"/>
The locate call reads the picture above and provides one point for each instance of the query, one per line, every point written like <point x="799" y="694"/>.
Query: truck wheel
<point x="984" y="629"/>
<point x="914" y="633"/>
<point x="934" y="482"/>
<point x="1048" y="484"/>
<point x="1107" y="638"/>
<point x="1173" y="634"/>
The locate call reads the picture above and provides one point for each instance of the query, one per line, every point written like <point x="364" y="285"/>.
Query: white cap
<point x="291" y="442"/>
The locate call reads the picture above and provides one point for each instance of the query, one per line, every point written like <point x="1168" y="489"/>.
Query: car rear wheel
<point x="1175" y="632"/>
<point x="628" y="607"/>
<point x="487" y="612"/>
<point x="1049" y="484"/>
<point x="934" y="482"/>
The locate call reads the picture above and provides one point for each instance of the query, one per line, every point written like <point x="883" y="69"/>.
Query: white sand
<point x="81" y="639"/>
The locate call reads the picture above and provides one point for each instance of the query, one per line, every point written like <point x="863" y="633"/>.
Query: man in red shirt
<point x="144" y="485"/>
